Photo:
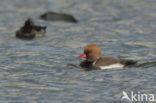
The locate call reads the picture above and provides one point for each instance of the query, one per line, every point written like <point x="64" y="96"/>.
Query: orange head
<point x="92" y="52"/>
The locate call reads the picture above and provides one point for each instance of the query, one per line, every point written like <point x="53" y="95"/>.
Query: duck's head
<point x="92" y="52"/>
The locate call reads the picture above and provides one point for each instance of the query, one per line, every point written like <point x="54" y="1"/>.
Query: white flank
<point x="117" y="65"/>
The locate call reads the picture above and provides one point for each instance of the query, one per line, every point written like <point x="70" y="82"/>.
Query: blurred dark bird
<point x="30" y="30"/>
<point x="53" y="16"/>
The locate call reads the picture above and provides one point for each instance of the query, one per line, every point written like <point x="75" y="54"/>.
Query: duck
<point x="30" y="30"/>
<point x="55" y="16"/>
<point x="95" y="61"/>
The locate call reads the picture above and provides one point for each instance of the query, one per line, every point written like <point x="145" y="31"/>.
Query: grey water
<point x="45" y="70"/>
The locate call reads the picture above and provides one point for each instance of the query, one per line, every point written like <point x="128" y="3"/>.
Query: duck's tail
<point x="130" y="62"/>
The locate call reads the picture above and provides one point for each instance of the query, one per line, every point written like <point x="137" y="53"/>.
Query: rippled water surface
<point x="44" y="70"/>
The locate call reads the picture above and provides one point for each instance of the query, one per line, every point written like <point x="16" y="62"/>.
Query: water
<point x="44" y="70"/>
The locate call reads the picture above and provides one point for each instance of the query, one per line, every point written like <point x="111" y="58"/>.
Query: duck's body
<point x="29" y="30"/>
<point x="94" y="61"/>
<point x="53" y="16"/>
<point x="107" y="63"/>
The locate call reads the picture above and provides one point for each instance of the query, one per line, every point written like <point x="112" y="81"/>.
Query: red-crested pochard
<point x="94" y="60"/>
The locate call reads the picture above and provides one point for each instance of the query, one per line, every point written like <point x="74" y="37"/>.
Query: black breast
<point x="87" y="65"/>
